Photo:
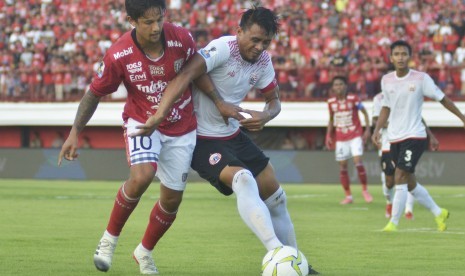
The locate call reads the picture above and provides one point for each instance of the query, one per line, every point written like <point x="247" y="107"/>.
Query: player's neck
<point x="400" y="73"/>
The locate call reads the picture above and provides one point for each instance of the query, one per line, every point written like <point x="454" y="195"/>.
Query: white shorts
<point x="173" y="154"/>
<point x="348" y="149"/>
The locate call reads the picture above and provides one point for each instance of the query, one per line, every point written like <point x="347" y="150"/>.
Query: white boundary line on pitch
<point x="426" y="230"/>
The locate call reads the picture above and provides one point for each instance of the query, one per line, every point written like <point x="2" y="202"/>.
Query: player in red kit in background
<point x="349" y="134"/>
<point x="144" y="59"/>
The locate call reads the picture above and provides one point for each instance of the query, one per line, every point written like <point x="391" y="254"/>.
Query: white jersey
<point x="377" y="105"/>
<point x="233" y="78"/>
<point x="404" y="96"/>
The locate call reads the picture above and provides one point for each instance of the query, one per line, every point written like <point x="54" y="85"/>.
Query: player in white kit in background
<point x="403" y="91"/>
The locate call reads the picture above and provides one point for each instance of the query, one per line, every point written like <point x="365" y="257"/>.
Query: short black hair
<point x="341" y="78"/>
<point x="137" y="8"/>
<point x="401" y="43"/>
<point x="261" y="16"/>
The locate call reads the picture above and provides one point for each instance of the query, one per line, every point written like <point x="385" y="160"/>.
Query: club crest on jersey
<point x="214" y="158"/>
<point x="253" y="79"/>
<point x="411" y="88"/>
<point x="178" y="65"/>
<point x="184" y="177"/>
<point x="157" y="70"/>
<point x="100" y="69"/>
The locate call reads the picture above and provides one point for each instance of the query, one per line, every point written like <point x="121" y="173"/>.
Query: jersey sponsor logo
<point x="100" y="69"/>
<point x="231" y="74"/>
<point x="178" y="65"/>
<point x="123" y="53"/>
<point x="157" y="70"/>
<point x="174" y="43"/>
<point x="207" y="53"/>
<point x="184" y="177"/>
<point x="253" y="79"/>
<point x="136" y="78"/>
<point x="214" y="158"/>
<point x="154" y="87"/>
<point x="135" y="67"/>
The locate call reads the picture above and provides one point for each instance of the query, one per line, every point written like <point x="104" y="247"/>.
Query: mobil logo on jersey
<point x="138" y="77"/>
<point x="154" y="87"/>
<point x="123" y="53"/>
<point x="174" y="43"/>
<point x="135" y="67"/>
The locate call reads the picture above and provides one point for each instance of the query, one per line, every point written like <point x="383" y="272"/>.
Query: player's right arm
<point x="382" y="119"/>
<point x="86" y="109"/>
<point x="329" y="130"/>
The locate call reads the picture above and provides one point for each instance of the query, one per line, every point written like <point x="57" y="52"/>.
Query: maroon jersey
<point x="345" y="116"/>
<point x="146" y="79"/>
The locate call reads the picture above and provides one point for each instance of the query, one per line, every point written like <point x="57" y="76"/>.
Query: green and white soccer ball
<point x="284" y="261"/>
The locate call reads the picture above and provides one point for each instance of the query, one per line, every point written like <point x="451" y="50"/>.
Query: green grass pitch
<point x="53" y="227"/>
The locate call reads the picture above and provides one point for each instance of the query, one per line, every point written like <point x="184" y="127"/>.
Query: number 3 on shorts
<point x="408" y="155"/>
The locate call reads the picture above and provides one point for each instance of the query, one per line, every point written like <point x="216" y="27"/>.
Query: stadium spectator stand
<point x="49" y="48"/>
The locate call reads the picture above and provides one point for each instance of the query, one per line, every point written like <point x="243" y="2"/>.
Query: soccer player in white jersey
<point x="403" y="91"/>
<point x="224" y="155"/>
<point x="387" y="166"/>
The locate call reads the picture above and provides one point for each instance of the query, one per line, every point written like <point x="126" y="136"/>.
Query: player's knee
<point x="243" y="179"/>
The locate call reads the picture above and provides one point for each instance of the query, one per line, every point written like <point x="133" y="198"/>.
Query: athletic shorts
<point x="211" y="156"/>
<point x="348" y="149"/>
<point x="406" y="154"/>
<point x="387" y="165"/>
<point x="172" y="154"/>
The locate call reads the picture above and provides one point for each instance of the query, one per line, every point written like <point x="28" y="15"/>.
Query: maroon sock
<point x="362" y="176"/>
<point x="159" y="223"/>
<point x="345" y="181"/>
<point x="122" y="209"/>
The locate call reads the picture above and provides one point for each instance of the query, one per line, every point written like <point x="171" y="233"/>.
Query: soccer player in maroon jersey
<point x="350" y="137"/>
<point x="144" y="59"/>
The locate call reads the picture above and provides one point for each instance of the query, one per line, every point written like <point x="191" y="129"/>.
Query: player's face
<point x="400" y="57"/>
<point x="339" y="87"/>
<point x="252" y="42"/>
<point x="149" y="27"/>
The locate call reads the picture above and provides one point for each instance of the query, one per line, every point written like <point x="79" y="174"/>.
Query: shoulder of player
<point x="352" y="97"/>
<point x="332" y="100"/>
<point x="124" y="46"/>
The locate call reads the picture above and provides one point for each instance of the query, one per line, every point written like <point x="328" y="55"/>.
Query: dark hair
<point x="137" y="8"/>
<point x="261" y="16"/>
<point x="341" y="78"/>
<point x="401" y="43"/>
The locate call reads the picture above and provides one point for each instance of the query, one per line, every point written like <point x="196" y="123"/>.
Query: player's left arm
<point x="449" y="105"/>
<point x="367" y="132"/>
<point x="271" y="110"/>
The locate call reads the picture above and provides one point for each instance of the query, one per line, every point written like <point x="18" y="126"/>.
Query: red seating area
<point x="49" y="48"/>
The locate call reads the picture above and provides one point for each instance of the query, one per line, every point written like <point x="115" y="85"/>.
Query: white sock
<point x="423" y="197"/>
<point x="253" y="210"/>
<point x="409" y="204"/>
<point x="144" y="250"/>
<point x="282" y="223"/>
<point x="388" y="193"/>
<point x="398" y="203"/>
<point x="109" y="236"/>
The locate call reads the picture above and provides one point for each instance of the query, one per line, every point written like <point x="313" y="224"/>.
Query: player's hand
<point x="366" y="135"/>
<point x="376" y="139"/>
<point x="149" y="127"/>
<point x="434" y="143"/>
<point x="329" y="142"/>
<point x="255" y="121"/>
<point x="229" y="110"/>
<point x="68" y="150"/>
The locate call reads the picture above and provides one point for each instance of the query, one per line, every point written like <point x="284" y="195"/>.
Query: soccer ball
<point x="284" y="261"/>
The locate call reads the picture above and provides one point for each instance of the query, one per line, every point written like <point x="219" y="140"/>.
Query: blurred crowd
<point x="49" y="49"/>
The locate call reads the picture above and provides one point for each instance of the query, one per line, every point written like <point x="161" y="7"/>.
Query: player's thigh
<point x="406" y="154"/>
<point x="342" y="151"/>
<point x="141" y="149"/>
<point x="356" y="146"/>
<point x="210" y="158"/>
<point x="175" y="159"/>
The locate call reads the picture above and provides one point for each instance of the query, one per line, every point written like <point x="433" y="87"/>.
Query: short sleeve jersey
<point x="404" y="96"/>
<point x="377" y="105"/>
<point x="146" y="79"/>
<point x="345" y="115"/>
<point x="233" y="78"/>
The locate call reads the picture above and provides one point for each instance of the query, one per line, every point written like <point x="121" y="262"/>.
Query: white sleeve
<point x="431" y="90"/>
<point x="268" y="75"/>
<point x="216" y="53"/>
